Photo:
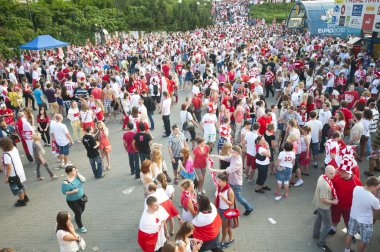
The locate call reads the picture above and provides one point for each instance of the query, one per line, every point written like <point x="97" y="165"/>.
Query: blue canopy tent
<point x="43" y="42"/>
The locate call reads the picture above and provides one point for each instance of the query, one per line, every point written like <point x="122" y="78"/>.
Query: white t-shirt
<point x="86" y="117"/>
<point x="185" y="115"/>
<point x="331" y="147"/>
<point x="70" y="88"/>
<point x="366" y="125"/>
<point x="66" y="246"/>
<point x="324" y="116"/>
<point x="261" y="150"/>
<point x="73" y="114"/>
<point x="363" y="202"/>
<point x="60" y="130"/>
<point x="315" y="126"/>
<point x="287" y="158"/>
<point x="166" y="103"/>
<point x="14" y="156"/>
<point x="250" y="138"/>
<point x="209" y="120"/>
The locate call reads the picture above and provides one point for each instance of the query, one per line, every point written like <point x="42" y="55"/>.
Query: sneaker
<point x="247" y="212"/>
<point x="266" y="188"/>
<point x="40" y="178"/>
<point x="53" y="177"/>
<point x="298" y="183"/>
<point x="229" y="243"/>
<point x="277" y="197"/>
<point x="203" y="191"/>
<point x="331" y="232"/>
<point x="26" y="198"/>
<point x="83" y="230"/>
<point x="223" y="245"/>
<point x="20" y="203"/>
<point x="62" y="166"/>
<point x="49" y="145"/>
<point x="324" y="247"/>
<point x="260" y="191"/>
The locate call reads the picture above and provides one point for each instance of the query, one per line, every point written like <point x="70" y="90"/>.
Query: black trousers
<point x="45" y="135"/>
<point x="77" y="206"/>
<point x="269" y="88"/>
<point x="262" y="174"/>
<point x="27" y="97"/>
<point x="166" y="119"/>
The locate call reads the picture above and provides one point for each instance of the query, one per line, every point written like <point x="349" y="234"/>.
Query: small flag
<point x="213" y="175"/>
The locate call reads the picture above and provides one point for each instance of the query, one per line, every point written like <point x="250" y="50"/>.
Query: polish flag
<point x="164" y="201"/>
<point x="207" y="225"/>
<point x="151" y="235"/>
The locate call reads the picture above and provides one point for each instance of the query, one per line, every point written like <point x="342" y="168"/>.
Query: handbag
<point x="188" y="125"/>
<point x="15" y="180"/>
<point x="84" y="198"/>
<point x="81" y="244"/>
<point x="232" y="215"/>
<point x="280" y="168"/>
<point x="168" y="179"/>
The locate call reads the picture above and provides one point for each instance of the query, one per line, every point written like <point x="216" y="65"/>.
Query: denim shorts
<point x="17" y="188"/>
<point x="284" y="175"/>
<point x="314" y="148"/>
<point x="365" y="230"/>
<point x="64" y="150"/>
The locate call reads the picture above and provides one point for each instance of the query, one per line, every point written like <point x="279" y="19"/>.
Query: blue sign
<point x="337" y="8"/>
<point x="334" y="19"/>
<point x="357" y="10"/>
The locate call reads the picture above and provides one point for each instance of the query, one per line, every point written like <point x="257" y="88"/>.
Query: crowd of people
<point x="324" y="106"/>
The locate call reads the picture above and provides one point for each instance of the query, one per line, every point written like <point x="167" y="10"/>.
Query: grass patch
<point x="269" y="11"/>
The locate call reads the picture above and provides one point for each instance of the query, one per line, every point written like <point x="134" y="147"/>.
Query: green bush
<point x="269" y="11"/>
<point x="77" y="20"/>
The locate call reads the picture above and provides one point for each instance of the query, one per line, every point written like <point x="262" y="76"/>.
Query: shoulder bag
<point x="81" y="123"/>
<point x="84" y="198"/>
<point x="165" y="171"/>
<point x="15" y="180"/>
<point x="188" y="125"/>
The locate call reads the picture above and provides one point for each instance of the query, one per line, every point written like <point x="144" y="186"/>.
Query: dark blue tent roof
<point x="43" y="42"/>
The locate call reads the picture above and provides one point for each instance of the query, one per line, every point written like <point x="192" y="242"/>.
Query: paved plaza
<point x="115" y="204"/>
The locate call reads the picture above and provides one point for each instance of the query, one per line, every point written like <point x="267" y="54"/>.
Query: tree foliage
<point x="76" y="21"/>
<point x="269" y="11"/>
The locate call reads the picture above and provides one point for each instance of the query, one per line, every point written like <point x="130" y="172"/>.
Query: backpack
<point x="155" y="90"/>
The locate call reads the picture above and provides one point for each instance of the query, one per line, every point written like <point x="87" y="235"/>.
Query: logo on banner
<point x="343" y="9"/>
<point x="378" y="11"/>
<point x="336" y="8"/>
<point x="342" y="20"/>
<point x="368" y="21"/>
<point x="348" y="18"/>
<point x="370" y="8"/>
<point x="357" y="10"/>
<point x="355" y="23"/>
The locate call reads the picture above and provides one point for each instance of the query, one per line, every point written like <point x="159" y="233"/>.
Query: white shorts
<point x="209" y="138"/>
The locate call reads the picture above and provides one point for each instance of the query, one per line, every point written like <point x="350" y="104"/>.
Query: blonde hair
<point x="99" y="103"/>
<point x="36" y="137"/>
<point x="292" y="137"/>
<point x="227" y="146"/>
<point x="157" y="156"/>
<point x="301" y="85"/>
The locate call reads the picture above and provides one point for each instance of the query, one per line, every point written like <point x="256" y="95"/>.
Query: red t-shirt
<point x="7" y="119"/>
<point x="97" y="93"/>
<point x="263" y="121"/>
<point x="166" y="70"/>
<point x="200" y="157"/>
<point x="44" y="120"/>
<point x="344" y="189"/>
<point x="351" y="97"/>
<point x="197" y="102"/>
<point x="128" y="138"/>
<point x="347" y="116"/>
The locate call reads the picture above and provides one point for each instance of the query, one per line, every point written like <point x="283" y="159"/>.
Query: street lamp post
<point x="180" y="13"/>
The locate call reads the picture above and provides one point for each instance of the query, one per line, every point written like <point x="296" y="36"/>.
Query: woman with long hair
<point x="99" y="110"/>
<point x="43" y="123"/>
<point x="158" y="163"/>
<point x="188" y="200"/>
<point x="200" y="161"/>
<point x="29" y="116"/>
<point x="86" y="116"/>
<point x="73" y="116"/>
<point x="187" y="165"/>
<point x="183" y="241"/>
<point x="224" y="200"/>
<point x="146" y="177"/>
<point x="262" y="162"/>
<point x="66" y="235"/>
<point x="341" y="122"/>
<point x="304" y="158"/>
<point x="104" y="142"/>
<point x="169" y="190"/>
<point x="72" y="187"/>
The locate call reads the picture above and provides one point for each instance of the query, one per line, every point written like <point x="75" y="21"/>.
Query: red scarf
<point x="329" y="182"/>
<point x="220" y="190"/>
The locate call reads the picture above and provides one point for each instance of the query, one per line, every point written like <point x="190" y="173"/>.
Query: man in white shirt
<point x="325" y="113"/>
<point x="62" y="137"/>
<point x="165" y="112"/>
<point x="209" y="125"/>
<point x="12" y="76"/>
<point x="250" y="143"/>
<point x="316" y="133"/>
<point x="364" y="203"/>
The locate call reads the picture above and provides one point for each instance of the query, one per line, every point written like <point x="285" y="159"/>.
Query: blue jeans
<point x="97" y="166"/>
<point x="144" y="156"/>
<point x="134" y="164"/>
<point x="150" y="116"/>
<point x="240" y="198"/>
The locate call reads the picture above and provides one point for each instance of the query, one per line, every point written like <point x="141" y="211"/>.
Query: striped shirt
<point x="374" y="122"/>
<point x="176" y="143"/>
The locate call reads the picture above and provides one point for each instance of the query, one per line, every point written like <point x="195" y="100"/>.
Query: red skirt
<point x="85" y="125"/>
<point x="304" y="159"/>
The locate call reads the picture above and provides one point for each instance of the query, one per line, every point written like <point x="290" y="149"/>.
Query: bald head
<point x="330" y="171"/>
